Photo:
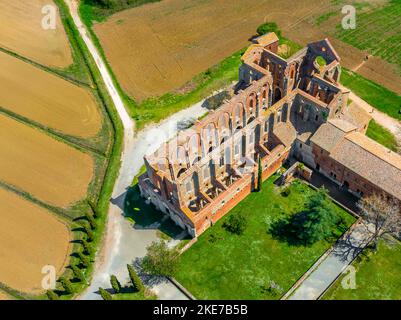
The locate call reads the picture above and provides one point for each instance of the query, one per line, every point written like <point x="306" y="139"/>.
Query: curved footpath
<point x="122" y="243"/>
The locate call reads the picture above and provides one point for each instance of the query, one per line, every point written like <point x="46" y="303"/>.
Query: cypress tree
<point x="67" y="285"/>
<point x="87" y="247"/>
<point x="94" y="209"/>
<point x="91" y="220"/>
<point x="78" y="273"/>
<point x="51" y="295"/>
<point x="115" y="284"/>
<point x="89" y="233"/>
<point x="136" y="281"/>
<point x="85" y="261"/>
<point x="259" y="188"/>
<point x="105" y="294"/>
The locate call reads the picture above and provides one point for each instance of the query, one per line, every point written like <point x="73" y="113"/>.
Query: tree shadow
<point x="146" y="216"/>
<point x="147" y="279"/>
<point x="284" y="230"/>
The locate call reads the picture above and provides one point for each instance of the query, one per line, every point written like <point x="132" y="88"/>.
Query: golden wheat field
<point x="158" y="47"/>
<point x="47" y="99"/>
<point x="21" y="31"/>
<point x="31" y="237"/>
<point x="42" y="166"/>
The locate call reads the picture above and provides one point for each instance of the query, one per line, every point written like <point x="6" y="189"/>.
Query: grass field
<point x="21" y="31"/>
<point x="47" y="99"/>
<point x="377" y="276"/>
<point x="226" y="266"/>
<point x="382" y="135"/>
<point x="377" y="96"/>
<point x="31" y="238"/>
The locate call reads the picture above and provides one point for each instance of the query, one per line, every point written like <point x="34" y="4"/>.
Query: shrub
<point x="115" y="284"/>
<point x="236" y="223"/>
<point x="286" y="191"/>
<point x="105" y="294"/>
<point x="268" y="27"/>
<point x="135" y="280"/>
<point x="51" y="295"/>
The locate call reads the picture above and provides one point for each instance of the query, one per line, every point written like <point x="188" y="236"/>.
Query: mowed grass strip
<point x="21" y="31"/>
<point x="31" y="237"/>
<point x="45" y="168"/>
<point x="376" y="95"/>
<point x="378" y="276"/>
<point x="221" y="265"/>
<point x="381" y="135"/>
<point x="47" y="99"/>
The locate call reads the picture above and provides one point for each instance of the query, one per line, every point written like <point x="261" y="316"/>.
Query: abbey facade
<point x="283" y="108"/>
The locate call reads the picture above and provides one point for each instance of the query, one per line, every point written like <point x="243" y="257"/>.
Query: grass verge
<point x="381" y="135"/>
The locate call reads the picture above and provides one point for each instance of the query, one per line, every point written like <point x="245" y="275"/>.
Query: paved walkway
<point x="325" y="272"/>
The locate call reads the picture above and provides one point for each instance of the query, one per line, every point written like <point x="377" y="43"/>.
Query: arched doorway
<point x="277" y="95"/>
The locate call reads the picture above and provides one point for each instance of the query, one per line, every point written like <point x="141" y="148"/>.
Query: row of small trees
<point x="160" y="260"/>
<point x="79" y="265"/>
<point x="136" y="284"/>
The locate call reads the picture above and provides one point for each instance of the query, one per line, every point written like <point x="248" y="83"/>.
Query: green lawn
<point x="382" y="135"/>
<point x="226" y="266"/>
<point x="378" y="276"/>
<point x="374" y="94"/>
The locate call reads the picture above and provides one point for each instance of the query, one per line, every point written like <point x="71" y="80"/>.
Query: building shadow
<point x="146" y="216"/>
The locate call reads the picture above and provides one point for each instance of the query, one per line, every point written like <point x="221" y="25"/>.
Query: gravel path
<point x="122" y="243"/>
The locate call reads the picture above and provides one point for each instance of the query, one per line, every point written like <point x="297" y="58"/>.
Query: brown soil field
<point x="31" y="237"/>
<point x="44" y="167"/>
<point x="158" y="47"/>
<point x="47" y="99"/>
<point x="21" y="31"/>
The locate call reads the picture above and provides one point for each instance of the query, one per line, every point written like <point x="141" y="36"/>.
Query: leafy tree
<point x="380" y="216"/>
<point x="317" y="221"/>
<point x="78" y="273"/>
<point x="51" y="295"/>
<point x="67" y="285"/>
<point x="260" y="173"/>
<point x="115" y="284"/>
<point x="160" y="260"/>
<point x="236" y="223"/>
<point x="268" y="27"/>
<point x="105" y="294"/>
<point x="135" y="280"/>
